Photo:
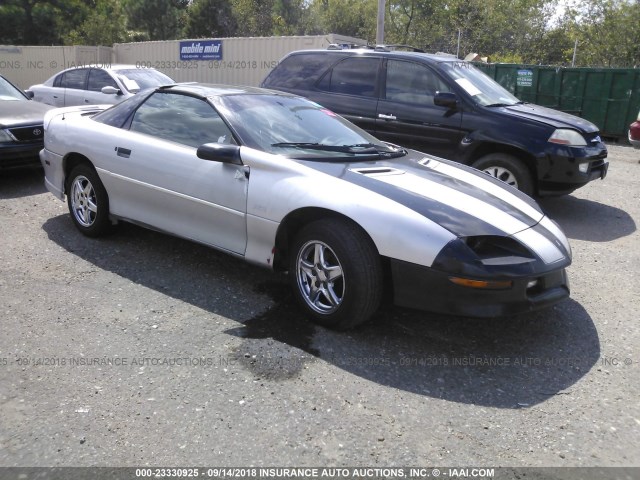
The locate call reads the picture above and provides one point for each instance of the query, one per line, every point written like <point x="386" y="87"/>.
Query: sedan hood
<point x="460" y="199"/>
<point x="555" y="118"/>
<point x="21" y="112"/>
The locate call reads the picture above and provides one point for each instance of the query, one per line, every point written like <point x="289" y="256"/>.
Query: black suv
<point x="447" y="107"/>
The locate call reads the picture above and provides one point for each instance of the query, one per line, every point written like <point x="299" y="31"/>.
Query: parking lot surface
<point x="143" y="349"/>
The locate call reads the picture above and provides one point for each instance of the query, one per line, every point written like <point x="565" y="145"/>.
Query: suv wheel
<point x="508" y="169"/>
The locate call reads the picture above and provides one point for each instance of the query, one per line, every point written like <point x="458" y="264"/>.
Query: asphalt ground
<point x="143" y="349"/>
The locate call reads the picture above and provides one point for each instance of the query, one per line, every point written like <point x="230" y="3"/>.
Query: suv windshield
<point x="482" y="88"/>
<point x="298" y="128"/>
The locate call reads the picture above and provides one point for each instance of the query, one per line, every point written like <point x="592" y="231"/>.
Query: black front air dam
<point x="423" y="288"/>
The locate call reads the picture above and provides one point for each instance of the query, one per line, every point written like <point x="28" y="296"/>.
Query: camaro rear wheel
<point x="508" y="169"/>
<point x="336" y="273"/>
<point x="88" y="201"/>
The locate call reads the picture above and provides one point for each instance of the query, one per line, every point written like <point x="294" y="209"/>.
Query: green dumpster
<point x="608" y="97"/>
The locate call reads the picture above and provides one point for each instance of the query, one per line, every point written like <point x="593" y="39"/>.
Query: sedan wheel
<point x="336" y="273"/>
<point x="88" y="201"/>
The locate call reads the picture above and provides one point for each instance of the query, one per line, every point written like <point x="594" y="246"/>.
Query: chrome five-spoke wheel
<point x="320" y="277"/>
<point x="83" y="201"/>
<point x="88" y="201"/>
<point x="336" y="272"/>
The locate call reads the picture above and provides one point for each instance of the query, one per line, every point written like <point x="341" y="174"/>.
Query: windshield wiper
<point x="500" y="105"/>
<point x="360" y="148"/>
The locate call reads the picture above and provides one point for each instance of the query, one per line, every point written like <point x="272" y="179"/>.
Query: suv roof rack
<point x="377" y="48"/>
<point x="389" y="48"/>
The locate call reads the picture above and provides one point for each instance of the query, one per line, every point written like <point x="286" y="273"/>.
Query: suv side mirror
<point x="446" y="99"/>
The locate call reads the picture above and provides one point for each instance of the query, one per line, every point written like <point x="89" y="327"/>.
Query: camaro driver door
<point x="154" y="176"/>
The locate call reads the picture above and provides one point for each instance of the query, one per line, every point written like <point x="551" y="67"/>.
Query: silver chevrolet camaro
<point x="287" y="184"/>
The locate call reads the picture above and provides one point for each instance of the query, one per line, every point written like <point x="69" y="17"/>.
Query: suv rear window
<point x="299" y="71"/>
<point x="353" y="76"/>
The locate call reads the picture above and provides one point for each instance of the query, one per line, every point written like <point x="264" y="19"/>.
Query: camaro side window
<point x="181" y="119"/>
<point x="353" y="76"/>
<point x="410" y="82"/>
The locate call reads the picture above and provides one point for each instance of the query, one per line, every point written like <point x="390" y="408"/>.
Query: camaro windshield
<point x="482" y="88"/>
<point x="298" y="128"/>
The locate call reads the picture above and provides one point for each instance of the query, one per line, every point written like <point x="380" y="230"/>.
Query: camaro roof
<point x="217" y="90"/>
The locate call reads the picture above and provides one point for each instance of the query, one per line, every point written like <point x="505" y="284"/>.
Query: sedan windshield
<point x="9" y="92"/>
<point x="482" y="88"/>
<point x="298" y="128"/>
<point x="136" y="79"/>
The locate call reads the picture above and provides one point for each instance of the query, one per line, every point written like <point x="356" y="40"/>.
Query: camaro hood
<point x="461" y="199"/>
<point x="555" y="118"/>
<point x="21" y="112"/>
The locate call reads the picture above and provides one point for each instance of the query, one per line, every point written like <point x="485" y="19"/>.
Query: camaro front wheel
<point x="336" y="273"/>
<point x="88" y="201"/>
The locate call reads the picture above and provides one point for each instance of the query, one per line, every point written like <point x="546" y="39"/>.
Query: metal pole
<point x="458" y="51"/>
<point x="380" y="31"/>
<point x="575" y="48"/>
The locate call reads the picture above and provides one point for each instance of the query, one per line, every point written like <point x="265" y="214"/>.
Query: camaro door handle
<point x="123" y="152"/>
<point x="384" y="116"/>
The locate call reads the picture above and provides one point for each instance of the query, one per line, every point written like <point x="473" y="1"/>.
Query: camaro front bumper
<point x="424" y="288"/>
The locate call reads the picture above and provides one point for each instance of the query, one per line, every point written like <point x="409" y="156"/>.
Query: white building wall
<point x="245" y="61"/>
<point x="26" y="66"/>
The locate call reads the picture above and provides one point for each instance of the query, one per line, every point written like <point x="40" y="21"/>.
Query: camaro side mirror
<point x="109" y="90"/>
<point x="218" y="152"/>
<point x="446" y="99"/>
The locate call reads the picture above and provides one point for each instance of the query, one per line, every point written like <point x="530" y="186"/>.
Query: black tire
<point x="354" y="295"/>
<point x="508" y="169"/>
<point x="88" y="201"/>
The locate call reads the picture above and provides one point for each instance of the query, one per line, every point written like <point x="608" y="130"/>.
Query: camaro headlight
<point x="472" y="261"/>
<point x="564" y="136"/>
<point x="6" y="136"/>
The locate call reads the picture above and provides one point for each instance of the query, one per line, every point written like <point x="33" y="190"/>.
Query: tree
<point x="607" y="32"/>
<point x="160" y="19"/>
<point x="345" y="17"/>
<point x="253" y="17"/>
<point x="105" y="24"/>
<point x="37" y="22"/>
<point x="210" y="18"/>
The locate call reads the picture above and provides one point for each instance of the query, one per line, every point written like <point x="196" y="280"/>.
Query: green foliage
<point x="254" y="17"/>
<point x="607" y="31"/>
<point x="345" y="17"/>
<point x="210" y="18"/>
<point x="519" y="31"/>
<point x="105" y="24"/>
<point x="161" y="19"/>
